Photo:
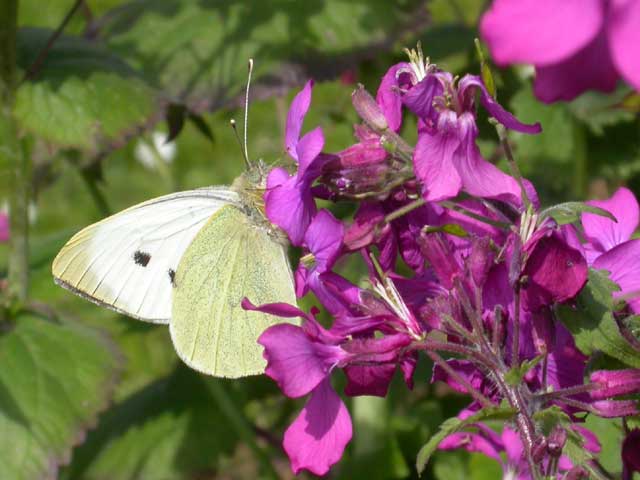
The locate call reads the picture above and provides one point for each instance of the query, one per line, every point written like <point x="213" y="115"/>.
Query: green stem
<point x="241" y="426"/>
<point x="513" y="166"/>
<point x="15" y="164"/>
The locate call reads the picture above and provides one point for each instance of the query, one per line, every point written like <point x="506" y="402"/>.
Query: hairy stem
<point x="14" y="164"/>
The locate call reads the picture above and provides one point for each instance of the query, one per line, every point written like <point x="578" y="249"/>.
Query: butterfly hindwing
<point x="230" y="258"/>
<point x="128" y="261"/>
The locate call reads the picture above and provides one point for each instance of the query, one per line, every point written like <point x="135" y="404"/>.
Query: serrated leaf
<point x="197" y="51"/>
<point x="600" y="110"/>
<point x="592" y="323"/>
<point x="54" y="378"/>
<point x="570" y="212"/>
<point x="82" y="96"/>
<point x="171" y="428"/>
<point x="550" y="417"/>
<point x="455" y="424"/>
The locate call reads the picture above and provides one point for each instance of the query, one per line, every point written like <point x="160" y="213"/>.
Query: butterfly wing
<point x="229" y="259"/>
<point x="127" y="262"/>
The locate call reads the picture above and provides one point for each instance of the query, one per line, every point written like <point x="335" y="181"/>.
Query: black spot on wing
<point x="141" y="258"/>
<point x="172" y="277"/>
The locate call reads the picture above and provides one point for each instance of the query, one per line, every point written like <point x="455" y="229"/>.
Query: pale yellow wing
<point x="229" y="259"/>
<point x="127" y="262"/>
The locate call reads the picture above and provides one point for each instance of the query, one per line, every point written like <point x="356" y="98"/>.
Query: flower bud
<point x="615" y="408"/>
<point x="612" y="383"/>
<point x="556" y="441"/>
<point x="631" y="452"/>
<point x="368" y="109"/>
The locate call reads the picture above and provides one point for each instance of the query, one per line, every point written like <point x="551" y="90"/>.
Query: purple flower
<point x="300" y="360"/>
<point x="575" y="45"/>
<point x="289" y="202"/>
<point x="446" y="158"/>
<point x="631" y="454"/>
<point x="4" y="227"/>
<point x="612" y="383"/>
<point x="610" y="247"/>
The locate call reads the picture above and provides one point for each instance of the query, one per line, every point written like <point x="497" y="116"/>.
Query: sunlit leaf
<point x="82" y="96"/>
<point x="570" y="212"/>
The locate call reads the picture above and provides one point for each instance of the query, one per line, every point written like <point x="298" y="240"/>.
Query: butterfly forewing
<point x="128" y="261"/>
<point x="230" y="258"/>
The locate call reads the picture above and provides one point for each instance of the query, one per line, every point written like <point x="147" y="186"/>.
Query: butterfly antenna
<point x="232" y="122"/>
<point x="246" y="112"/>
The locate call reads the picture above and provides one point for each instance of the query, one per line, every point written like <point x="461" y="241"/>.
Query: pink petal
<point x="589" y="68"/>
<point x="471" y="442"/>
<point x="389" y="98"/>
<point x="294" y="361"/>
<point x="295" y="117"/>
<point x="308" y="149"/>
<point x="541" y="32"/>
<point x="317" y="437"/>
<point x="368" y="379"/>
<point x="433" y="159"/>
<point x="291" y="207"/>
<point x="479" y="177"/>
<point x="324" y="239"/>
<point x="623" y="29"/>
<point x="623" y="262"/>
<point x="604" y="234"/>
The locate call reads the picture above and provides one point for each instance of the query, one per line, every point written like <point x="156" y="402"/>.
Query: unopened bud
<point x="556" y="441"/>
<point x="368" y="109"/>
<point x="615" y="408"/>
<point x="612" y="383"/>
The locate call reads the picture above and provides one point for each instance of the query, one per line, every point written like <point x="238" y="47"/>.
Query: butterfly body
<point x="187" y="259"/>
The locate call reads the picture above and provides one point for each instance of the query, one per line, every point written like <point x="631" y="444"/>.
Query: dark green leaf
<point x="599" y="110"/>
<point x="570" y="212"/>
<point x="175" y="120"/>
<point x="592" y="323"/>
<point x="197" y="52"/>
<point x="54" y="379"/>
<point x="171" y="428"/>
<point x="453" y="425"/>
<point x="83" y="96"/>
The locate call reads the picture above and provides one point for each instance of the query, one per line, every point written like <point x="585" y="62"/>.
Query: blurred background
<point x="133" y="101"/>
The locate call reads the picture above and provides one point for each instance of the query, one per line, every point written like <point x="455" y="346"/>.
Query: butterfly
<point x="187" y="260"/>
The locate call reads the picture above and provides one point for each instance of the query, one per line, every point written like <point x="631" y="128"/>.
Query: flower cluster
<point x="489" y="271"/>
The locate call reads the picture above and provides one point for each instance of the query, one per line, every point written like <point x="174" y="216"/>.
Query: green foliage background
<point x="94" y="395"/>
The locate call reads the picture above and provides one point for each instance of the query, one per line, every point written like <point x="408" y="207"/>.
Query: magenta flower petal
<point x="623" y="263"/>
<point x="291" y="207"/>
<point x="602" y="233"/>
<point x="278" y="309"/>
<point x="308" y="149"/>
<point x="297" y="111"/>
<point x="494" y="108"/>
<point x="631" y="454"/>
<point x="624" y="36"/>
<point x="555" y="272"/>
<point x="368" y="379"/>
<point x="541" y="32"/>
<point x="589" y="68"/>
<point x="419" y="98"/>
<point x="479" y="177"/>
<point x="4" y="227"/>
<point x="471" y="442"/>
<point x="389" y="98"/>
<point x="324" y="239"/>
<point x="433" y="159"/>
<point x="317" y="437"/>
<point x="295" y="361"/>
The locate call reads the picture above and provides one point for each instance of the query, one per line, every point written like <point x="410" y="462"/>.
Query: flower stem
<point x="513" y="166"/>
<point x="14" y="164"/>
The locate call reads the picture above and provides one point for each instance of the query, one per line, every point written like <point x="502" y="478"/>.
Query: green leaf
<point x="54" y="378"/>
<point x="453" y="425"/>
<point x="555" y="142"/>
<point x="600" y="110"/>
<point x="83" y="96"/>
<point x="171" y="428"/>
<point x="515" y="375"/>
<point x="197" y="52"/>
<point x="570" y="212"/>
<point x="592" y="323"/>
<point x="550" y="417"/>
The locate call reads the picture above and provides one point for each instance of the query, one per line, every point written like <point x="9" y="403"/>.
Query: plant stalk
<point x="15" y="171"/>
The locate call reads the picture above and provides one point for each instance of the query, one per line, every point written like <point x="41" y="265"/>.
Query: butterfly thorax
<point x="251" y="186"/>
